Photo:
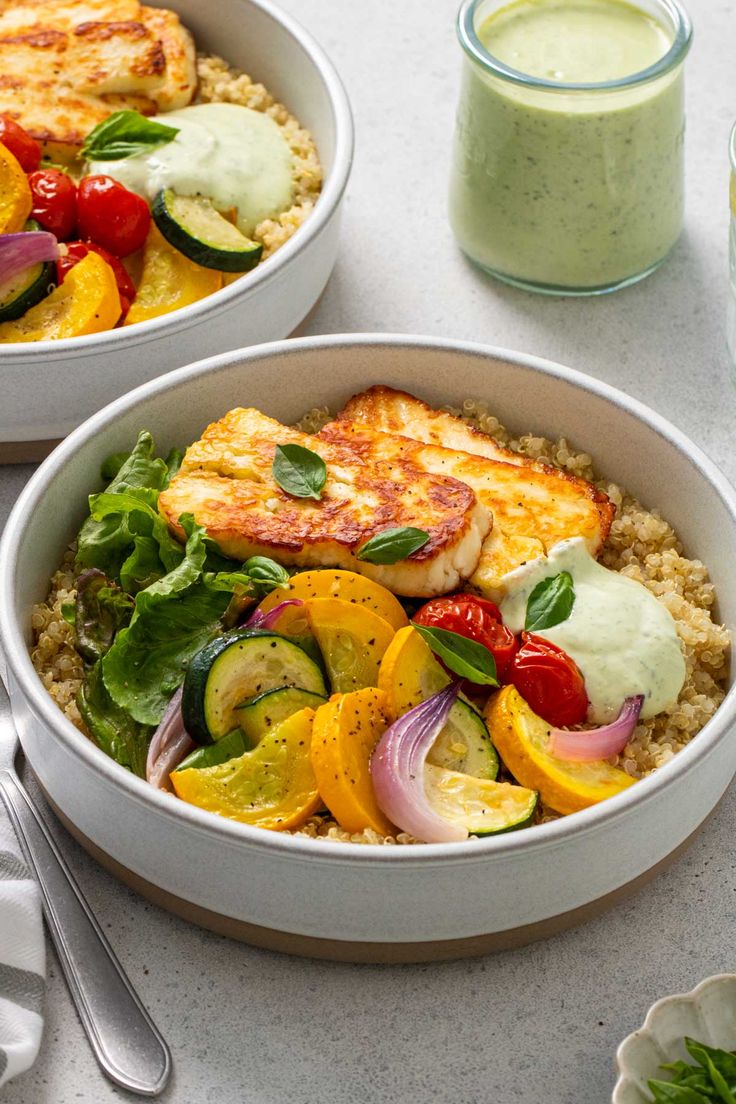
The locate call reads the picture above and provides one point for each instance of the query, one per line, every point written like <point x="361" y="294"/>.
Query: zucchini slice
<point x="229" y="747"/>
<point x="464" y="745"/>
<point x="238" y="666"/>
<point x="259" y="715"/>
<point x="193" y="226"/>
<point x="482" y="806"/>
<point x="26" y="289"/>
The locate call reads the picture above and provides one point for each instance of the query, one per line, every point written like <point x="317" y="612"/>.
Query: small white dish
<point x="707" y="1013"/>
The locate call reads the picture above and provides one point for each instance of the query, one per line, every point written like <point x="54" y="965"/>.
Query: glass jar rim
<point x="477" y="52"/>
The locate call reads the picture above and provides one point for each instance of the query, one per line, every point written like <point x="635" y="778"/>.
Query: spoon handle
<point x="125" y="1041"/>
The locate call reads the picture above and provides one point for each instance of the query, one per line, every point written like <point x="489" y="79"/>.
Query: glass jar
<point x="573" y="189"/>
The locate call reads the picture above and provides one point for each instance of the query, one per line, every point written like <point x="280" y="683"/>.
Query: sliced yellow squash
<point x="521" y="738"/>
<point x="352" y="639"/>
<point x="482" y="806"/>
<point x="346" y="730"/>
<point x="409" y="672"/>
<point x="273" y="786"/>
<point x="15" y="194"/>
<point x="87" y="302"/>
<point x="408" y="675"/>
<point x="346" y="585"/>
<point x="169" y="280"/>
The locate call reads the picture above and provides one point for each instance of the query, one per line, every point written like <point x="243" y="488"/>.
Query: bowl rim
<point x="692" y="996"/>
<point x="205" y="310"/>
<point x="17" y="657"/>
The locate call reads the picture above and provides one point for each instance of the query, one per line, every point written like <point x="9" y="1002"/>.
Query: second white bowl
<point x="49" y="387"/>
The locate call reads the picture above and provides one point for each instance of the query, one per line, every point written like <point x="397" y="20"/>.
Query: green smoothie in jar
<point x="568" y="163"/>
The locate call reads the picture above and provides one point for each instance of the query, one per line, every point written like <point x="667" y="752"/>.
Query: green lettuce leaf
<point x="174" y="617"/>
<point x="113" y="729"/>
<point x="101" y="609"/>
<point x="107" y="538"/>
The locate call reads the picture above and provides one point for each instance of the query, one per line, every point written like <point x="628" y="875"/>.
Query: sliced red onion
<point x="397" y="768"/>
<point x="19" y="251"/>
<point x="170" y="744"/>
<point x="597" y="743"/>
<point x="261" y="620"/>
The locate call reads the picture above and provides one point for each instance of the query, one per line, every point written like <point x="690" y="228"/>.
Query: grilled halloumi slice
<point x="63" y="14"/>
<point x="58" y="117"/>
<point x="180" y="76"/>
<point x="533" y="505"/>
<point x="64" y="67"/>
<point x="226" y="482"/>
<point x="400" y="413"/>
<point x="94" y="57"/>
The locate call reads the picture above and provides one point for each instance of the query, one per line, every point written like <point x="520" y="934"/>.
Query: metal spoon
<point x="124" y="1038"/>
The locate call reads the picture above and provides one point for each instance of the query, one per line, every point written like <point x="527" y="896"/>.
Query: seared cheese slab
<point x="533" y="505"/>
<point x="226" y="482"/>
<point x="65" y="66"/>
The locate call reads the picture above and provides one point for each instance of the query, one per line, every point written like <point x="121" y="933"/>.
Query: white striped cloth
<point x="22" y="958"/>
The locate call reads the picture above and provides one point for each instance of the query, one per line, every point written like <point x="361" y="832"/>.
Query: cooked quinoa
<point x="640" y="545"/>
<point x="219" y="83"/>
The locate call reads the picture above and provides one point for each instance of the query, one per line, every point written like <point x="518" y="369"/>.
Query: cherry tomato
<point x="26" y="150"/>
<point x="75" y="251"/>
<point x="475" y="618"/>
<point x="54" y="201"/>
<point x="549" y="681"/>
<point x="110" y="215"/>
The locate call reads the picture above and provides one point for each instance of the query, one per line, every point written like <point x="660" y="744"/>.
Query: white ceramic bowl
<point x="51" y="386"/>
<point x="349" y="900"/>
<point x="707" y="1013"/>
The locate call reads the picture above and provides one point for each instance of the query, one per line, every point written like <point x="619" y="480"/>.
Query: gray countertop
<point x="542" y="1023"/>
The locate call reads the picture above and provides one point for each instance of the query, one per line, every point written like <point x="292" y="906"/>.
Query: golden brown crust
<point x="64" y="70"/>
<point x="397" y="412"/>
<point x="226" y="482"/>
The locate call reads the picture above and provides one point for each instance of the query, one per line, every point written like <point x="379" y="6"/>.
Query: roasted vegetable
<point x="169" y="281"/>
<point x="272" y="786"/>
<point x="352" y="640"/>
<point x="346" y="730"/>
<point x="346" y="585"/>
<point x="87" y="302"/>
<point x="521" y="738"/>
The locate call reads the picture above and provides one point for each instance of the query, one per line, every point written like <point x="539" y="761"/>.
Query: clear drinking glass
<point x="573" y="189"/>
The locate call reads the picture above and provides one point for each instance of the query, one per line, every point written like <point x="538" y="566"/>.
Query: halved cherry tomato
<point x="475" y="618"/>
<point x="549" y="681"/>
<point x="112" y="216"/>
<point x="54" y="201"/>
<point x="74" y="253"/>
<point x="26" y="150"/>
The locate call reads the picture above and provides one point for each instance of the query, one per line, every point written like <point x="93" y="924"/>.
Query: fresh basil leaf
<point x="265" y="574"/>
<point x="665" y="1092"/>
<point x="392" y="545"/>
<point x="466" y="658"/>
<point x="719" y="1083"/>
<point x="723" y="1060"/>
<point x="174" y="617"/>
<point x="550" y="603"/>
<point x="124" y="134"/>
<point x="299" y="471"/>
<point x="101" y="609"/>
<point x="112" y="728"/>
